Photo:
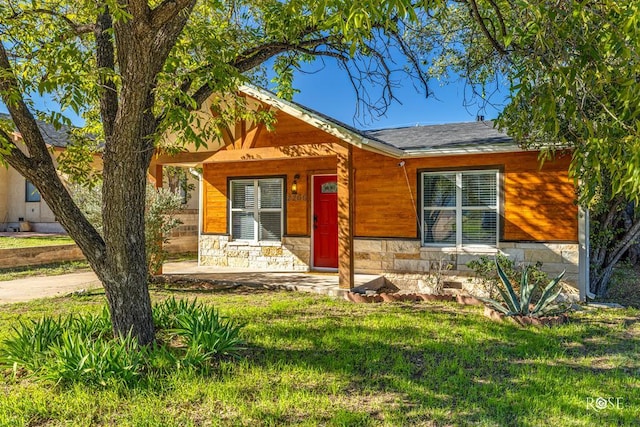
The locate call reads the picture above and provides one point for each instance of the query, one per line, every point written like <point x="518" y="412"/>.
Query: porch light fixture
<point x="294" y="184"/>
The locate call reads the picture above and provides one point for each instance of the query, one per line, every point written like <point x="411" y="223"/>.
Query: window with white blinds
<point x="256" y="209"/>
<point x="460" y="208"/>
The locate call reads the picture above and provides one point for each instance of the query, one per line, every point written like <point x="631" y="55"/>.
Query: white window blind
<point x="460" y="208"/>
<point x="256" y="209"/>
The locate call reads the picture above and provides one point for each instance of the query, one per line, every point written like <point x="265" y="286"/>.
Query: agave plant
<point x="520" y="305"/>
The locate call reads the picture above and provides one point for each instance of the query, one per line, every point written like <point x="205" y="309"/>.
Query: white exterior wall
<point x="13" y="205"/>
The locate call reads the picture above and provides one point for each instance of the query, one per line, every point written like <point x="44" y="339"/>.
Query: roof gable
<point x="455" y="138"/>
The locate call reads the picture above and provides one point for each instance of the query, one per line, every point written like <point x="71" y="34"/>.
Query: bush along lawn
<point x="309" y="360"/>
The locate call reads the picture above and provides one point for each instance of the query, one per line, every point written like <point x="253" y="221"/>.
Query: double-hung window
<point x="460" y="208"/>
<point x="256" y="209"/>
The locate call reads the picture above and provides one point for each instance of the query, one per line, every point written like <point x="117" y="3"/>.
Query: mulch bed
<point x="411" y="297"/>
<point x="526" y="320"/>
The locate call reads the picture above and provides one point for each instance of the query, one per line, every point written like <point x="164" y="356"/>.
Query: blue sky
<point x="328" y="91"/>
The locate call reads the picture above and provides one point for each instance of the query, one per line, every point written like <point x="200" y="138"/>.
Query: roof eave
<point x="475" y="149"/>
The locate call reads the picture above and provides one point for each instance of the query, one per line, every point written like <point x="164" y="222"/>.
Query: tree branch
<point x="77" y="28"/>
<point x="140" y="10"/>
<point x="257" y="55"/>
<point x="39" y="168"/>
<point x="22" y="117"/>
<point x="105" y="59"/>
<point x="478" y="18"/>
<point x="167" y="10"/>
<point x="16" y="158"/>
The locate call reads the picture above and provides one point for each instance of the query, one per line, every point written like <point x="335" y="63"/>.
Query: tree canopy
<point x="572" y="70"/>
<point x="136" y="69"/>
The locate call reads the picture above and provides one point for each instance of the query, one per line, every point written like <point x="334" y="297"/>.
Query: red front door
<point x="325" y="221"/>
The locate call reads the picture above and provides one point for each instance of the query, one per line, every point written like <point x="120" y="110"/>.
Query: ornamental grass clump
<point x="512" y="304"/>
<point x="200" y="329"/>
<point x="83" y="349"/>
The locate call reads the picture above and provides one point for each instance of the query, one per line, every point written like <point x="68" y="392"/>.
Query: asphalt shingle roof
<point x="444" y="136"/>
<point x="52" y="136"/>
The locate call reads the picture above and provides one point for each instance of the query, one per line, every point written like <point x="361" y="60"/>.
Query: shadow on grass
<point x="422" y="364"/>
<point x="461" y="368"/>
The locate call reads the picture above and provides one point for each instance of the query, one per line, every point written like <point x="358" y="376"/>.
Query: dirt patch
<point x="175" y="283"/>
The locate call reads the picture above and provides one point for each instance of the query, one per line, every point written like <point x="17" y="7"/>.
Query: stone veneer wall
<point x="20" y="257"/>
<point x="292" y="254"/>
<point x="409" y="266"/>
<point x="184" y="238"/>
<point x="404" y="263"/>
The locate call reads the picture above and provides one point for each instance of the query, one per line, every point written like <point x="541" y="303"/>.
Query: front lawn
<point x="31" y="242"/>
<point x="316" y="361"/>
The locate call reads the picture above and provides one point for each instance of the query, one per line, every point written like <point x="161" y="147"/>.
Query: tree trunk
<point x="123" y="204"/>
<point x="604" y="271"/>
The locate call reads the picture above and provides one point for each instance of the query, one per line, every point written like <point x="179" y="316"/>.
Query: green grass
<point x="316" y="361"/>
<point x="65" y="267"/>
<point x="53" y="269"/>
<point x="31" y="242"/>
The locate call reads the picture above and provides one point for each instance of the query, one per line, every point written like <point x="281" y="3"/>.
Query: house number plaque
<point x="296" y="197"/>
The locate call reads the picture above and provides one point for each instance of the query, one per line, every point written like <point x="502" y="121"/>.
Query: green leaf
<point x="549" y="294"/>
<point x="511" y="298"/>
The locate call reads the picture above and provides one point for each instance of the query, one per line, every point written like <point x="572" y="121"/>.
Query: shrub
<point x="513" y="304"/>
<point x="160" y="220"/>
<point x="161" y="207"/>
<point x="485" y="270"/>
<point x="205" y="334"/>
<point x="29" y="345"/>
<point x="78" y="358"/>
<point x="437" y="275"/>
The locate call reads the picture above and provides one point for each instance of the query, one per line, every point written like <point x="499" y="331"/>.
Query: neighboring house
<point x="23" y="209"/>
<point x="21" y="206"/>
<point x="316" y="194"/>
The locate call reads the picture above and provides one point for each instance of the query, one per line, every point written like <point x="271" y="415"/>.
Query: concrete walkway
<point x="31" y="288"/>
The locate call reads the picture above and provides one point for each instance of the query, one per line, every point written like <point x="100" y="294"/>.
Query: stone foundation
<point x="404" y="263"/>
<point x="408" y="266"/>
<point x="292" y="254"/>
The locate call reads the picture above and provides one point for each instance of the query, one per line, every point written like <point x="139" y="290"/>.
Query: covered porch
<point x="291" y="160"/>
<point x="314" y="282"/>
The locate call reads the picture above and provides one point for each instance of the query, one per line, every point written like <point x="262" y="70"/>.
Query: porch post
<point x="345" y="218"/>
<point x="158" y="185"/>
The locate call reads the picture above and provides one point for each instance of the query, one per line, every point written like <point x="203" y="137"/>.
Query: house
<point x="21" y="207"/>
<point x="316" y="194"/>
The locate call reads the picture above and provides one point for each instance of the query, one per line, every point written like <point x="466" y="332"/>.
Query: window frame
<point x="31" y="196"/>
<point x="458" y="208"/>
<point x="256" y="210"/>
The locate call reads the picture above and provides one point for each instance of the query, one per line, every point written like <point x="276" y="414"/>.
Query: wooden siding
<point x="537" y="203"/>
<point x="215" y="179"/>
<point x="291" y="131"/>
